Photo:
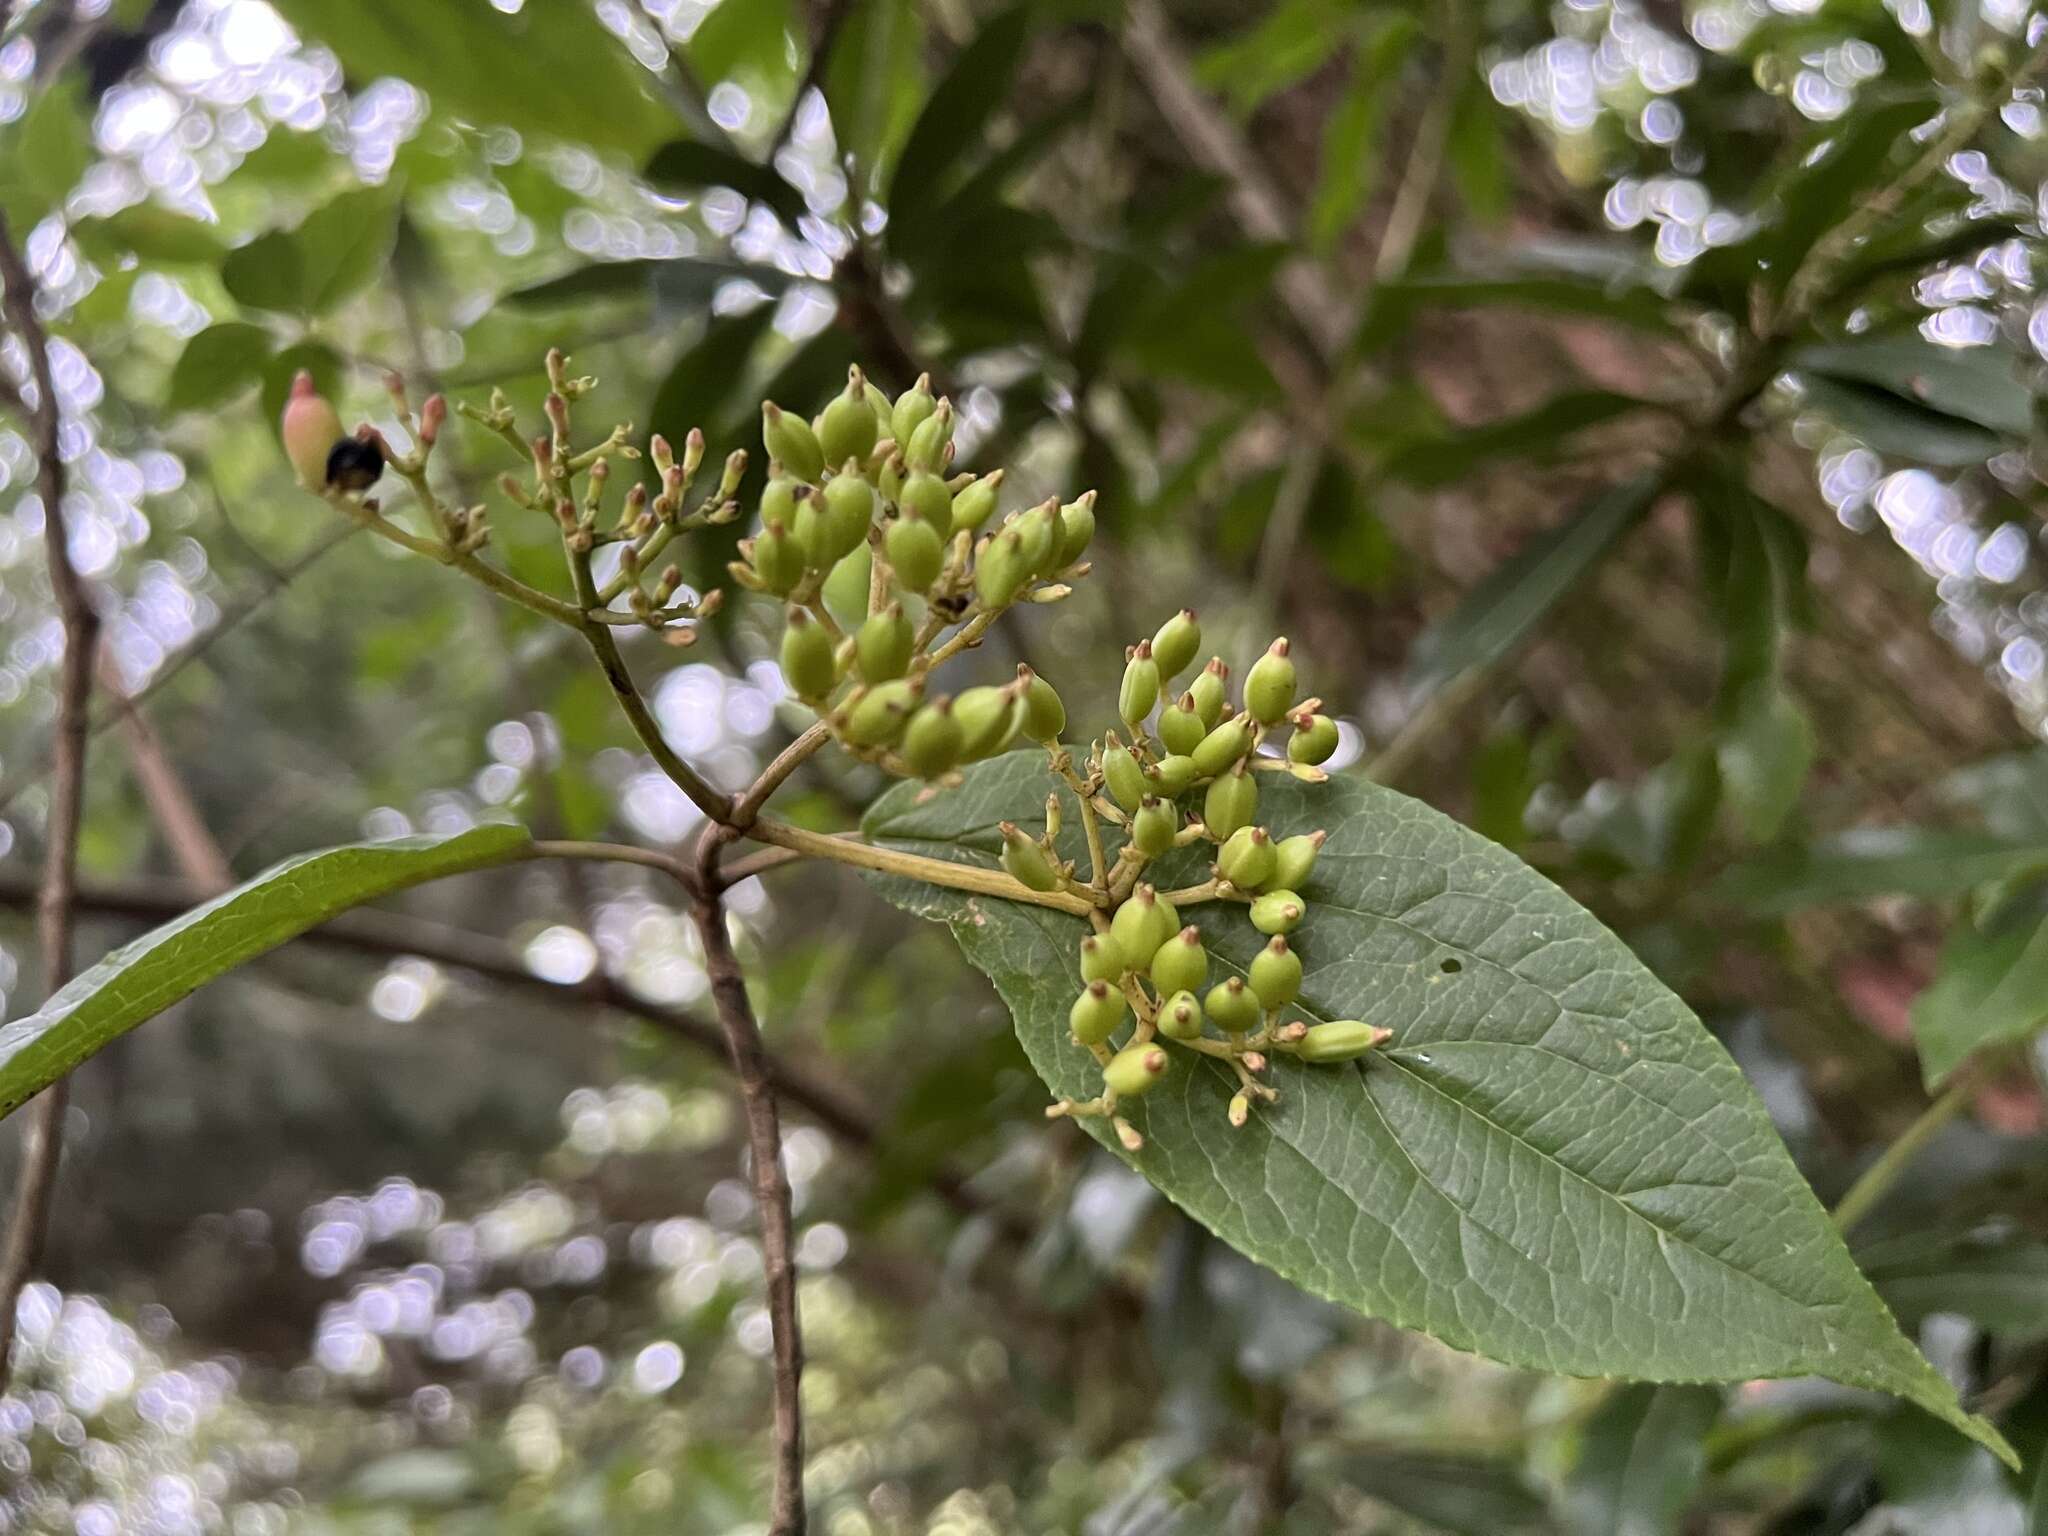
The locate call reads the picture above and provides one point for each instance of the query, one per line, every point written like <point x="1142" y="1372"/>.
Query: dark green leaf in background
<point x="1991" y="988"/>
<point x="1868" y="862"/>
<point x="958" y="112"/>
<point x="686" y="165"/>
<point x="218" y="364"/>
<point x="1542" y="432"/>
<point x="1640" y="1461"/>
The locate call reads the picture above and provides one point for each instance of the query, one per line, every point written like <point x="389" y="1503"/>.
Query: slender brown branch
<point x="708" y="800"/>
<point x="44" y="1147"/>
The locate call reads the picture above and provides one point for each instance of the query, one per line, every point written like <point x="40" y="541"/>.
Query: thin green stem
<point x="1893" y="1161"/>
<point x="627" y="692"/>
<point x="888" y="861"/>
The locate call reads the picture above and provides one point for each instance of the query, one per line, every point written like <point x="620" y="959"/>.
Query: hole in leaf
<point x="1452" y="967"/>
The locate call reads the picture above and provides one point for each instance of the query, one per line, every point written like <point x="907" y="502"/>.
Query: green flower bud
<point x="847" y="585"/>
<point x="1180" y="1017"/>
<point x="778" y="500"/>
<point x="925" y="495"/>
<point x="988" y="721"/>
<point x="1077" y="530"/>
<point x="1278" y="912"/>
<point x="1231" y="1007"/>
<point x="890" y="477"/>
<point x="1231" y="803"/>
<point x="1001" y="571"/>
<point x="881" y="714"/>
<point x="777" y="559"/>
<point x="1140" y="690"/>
<point x="1269" y="686"/>
<point x="849" y="510"/>
<point x="791" y="442"/>
<point x="1294" y="859"/>
<point x="1134" y="1069"/>
<point x="1153" y="827"/>
<point x="877" y="402"/>
<point x="1180" y="964"/>
<point x="807" y="528"/>
<point x="1026" y="861"/>
<point x="847" y="429"/>
<point x="1247" y="858"/>
<point x="881" y="646"/>
<point x="1175" y="645"/>
<point x="1223" y="746"/>
<point x="1341" y="1040"/>
<point x="1102" y="958"/>
<point x="926" y="448"/>
<point x="972" y="504"/>
<point x="1145" y="921"/>
<point x="1122" y="776"/>
<point x="916" y="552"/>
<point x="932" y="741"/>
<point x="1171" y="775"/>
<point x="806" y="658"/>
<point x="911" y="410"/>
<point x="1314" y="738"/>
<point x="1041" y="529"/>
<point x="1180" y="728"/>
<point x="1276" y="974"/>
<point x="1096" y="1012"/>
<point x="1044" y="715"/>
<point x="1208" y="691"/>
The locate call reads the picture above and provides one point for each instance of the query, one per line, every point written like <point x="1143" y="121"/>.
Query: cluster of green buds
<point x="1191" y="776"/>
<point x="878" y="549"/>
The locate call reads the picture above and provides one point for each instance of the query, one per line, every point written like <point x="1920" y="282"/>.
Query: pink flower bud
<point x="310" y="429"/>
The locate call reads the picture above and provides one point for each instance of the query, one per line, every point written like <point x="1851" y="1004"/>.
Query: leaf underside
<point x="1553" y="1163"/>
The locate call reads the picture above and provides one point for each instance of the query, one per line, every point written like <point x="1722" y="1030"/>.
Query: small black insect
<point x="354" y="465"/>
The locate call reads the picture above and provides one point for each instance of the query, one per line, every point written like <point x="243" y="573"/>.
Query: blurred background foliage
<point x="1627" y="405"/>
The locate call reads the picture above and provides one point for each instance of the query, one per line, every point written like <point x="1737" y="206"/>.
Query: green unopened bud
<point x="1180" y="964"/>
<point x="807" y="527"/>
<point x="925" y="495"/>
<point x="1278" y="912"/>
<point x="1135" y="1069"/>
<point x="878" y="403"/>
<point x="1269" y="686"/>
<point x="1041" y="529"/>
<point x="849" y="510"/>
<point x="926" y="448"/>
<point x="1180" y="728"/>
<point x="1314" y="738"/>
<point x="972" y="504"/>
<point x="1246" y="859"/>
<point x="847" y="428"/>
<point x="791" y="442"/>
<point x="1180" y="1017"/>
<point x="1171" y="775"/>
<point x="806" y="657"/>
<point x="1044" y="715"/>
<point x="1122" y="776"/>
<point x="1209" y="690"/>
<point x="777" y="559"/>
<point x="778" y="500"/>
<point x="879" y="716"/>
<point x="916" y="551"/>
<point x="1341" y="1040"/>
<point x="1102" y="958"/>
<point x="1026" y="861"/>
<point x="882" y="645"/>
<point x="1153" y="826"/>
<point x="1175" y="645"/>
<point x="1077" y="529"/>
<point x="1223" y="746"/>
<point x="1001" y="570"/>
<point x="932" y="742"/>
<point x="1275" y="974"/>
<point x="988" y="721"/>
<point x="1145" y="921"/>
<point x="912" y="409"/>
<point x="1231" y="803"/>
<point x="1231" y="1007"/>
<point x="889" y="478"/>
<point x="1140" y="689"/>
<point x="1096" y="1012"/>
<point x="1294" y="859"/>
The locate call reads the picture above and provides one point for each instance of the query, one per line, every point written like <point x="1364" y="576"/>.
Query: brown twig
<point x="44" y="1146"/>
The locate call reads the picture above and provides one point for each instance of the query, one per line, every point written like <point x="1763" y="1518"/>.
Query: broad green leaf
<point x="875" y="84"/>
<point x="700" y="384"/>
<point x="742" y="38"/>
<point x="1996" y="1276"/>
<point x="550" y="68"/>
<point x="1935" y="1486"/>
<point x="155" y="234"/>
<point x="958" y="110"/>
<point x="1991" y="989"/>
<point x="1867" y="862"/>
<point x="1500" y="613"/>
<point x="266" y="273"/>
<point x="1764" y="756"/>
<point x="317" y="358"/>
<point x="1538" y="432"/>
<point x="43" y="156"/>
<point x="1977" y="384"/>
<point x="331" y="256"/>
<point x="1641" y="1460"/>
<point x="217" y="364"/>
<point x="1462" y="1495"/>
<point x="143" y="978"/>
<point x="1553" y="1163"/>
<point x="1898" y="426"/>
<point x="686" y="164"/>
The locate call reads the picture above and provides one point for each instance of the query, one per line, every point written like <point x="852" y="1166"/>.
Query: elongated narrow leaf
<point x="678" y="279"/>
<point x="960" y="107"/>
<point x="1460" y="1495"/>
<point x="1996" y="1276"/>
<point x="1891" y="424"/>
<point x="685" y="165"/>
<point x="1816" y="196"/>
<point x="1868" y="862"/>
<point x="1977" y="384"/>
<point x="1532" y="433"/>
<point x="142" y="979"/>
<point x="1349" y="167"/>
<point x="1641" y="1460"/>
<point x="1499" y="613"/>
<point x="1992" y="989"/>
<point x="1552" y="1163"/>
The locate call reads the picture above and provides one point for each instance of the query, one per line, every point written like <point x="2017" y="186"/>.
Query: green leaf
<point x="317" y="358"/>
<point x="1994" y="1275"/>
<point x="1294" y="40"/>
<point x="47" y="152"/>
<point x="1977" y="384"/>
<point x="1541" y="432"/>
<point x="1625" y="297"/>
<point x="344" y="243"/>
<point x="155" y="234"/>
<point x="1867" y="862"/>
<point x="952" y="122"/>
<point x="685" y="165"/>
<point x="551" y="68"/>
<point x="681" y="278"/>
<point x="700" y="384"/>
<point x="266" y="273"/>
<point x="218" y="364"/>
<point x="741" y="39"/>
<point x="1350" y="164"/>
<point x="1641" y="1461"/>
<point x="1553" y="1163"/>
<point x="875" y="84"/>
<point x="1897" y="426"/>
<point x="1501" y="612"/>
<point x="142" y="979"/>
<point x="1764" y="757"/>
<point x="1990" y="989"/>
<point x="1463" y="1495"/>
<point x="1822" y="190"/>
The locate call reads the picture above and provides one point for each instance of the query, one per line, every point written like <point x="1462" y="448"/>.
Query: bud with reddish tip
<point x="432" y="414"/>
<point x="310" y="428"/>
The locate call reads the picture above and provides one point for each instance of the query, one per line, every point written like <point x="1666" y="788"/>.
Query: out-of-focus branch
<point x="25" y="1237"/>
